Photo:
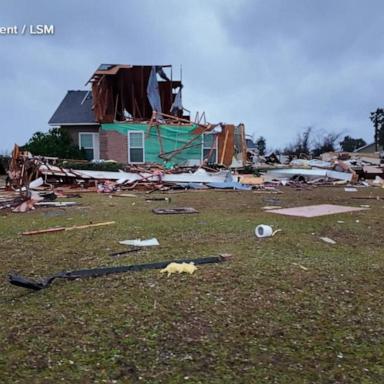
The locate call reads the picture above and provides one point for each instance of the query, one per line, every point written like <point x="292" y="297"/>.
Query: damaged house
<point x="134" y="115"/>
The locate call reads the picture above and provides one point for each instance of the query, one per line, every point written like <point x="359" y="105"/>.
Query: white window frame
<point x="129" y="147"/>
<point x="216" y="148"/>
<point x="95" y="144"/>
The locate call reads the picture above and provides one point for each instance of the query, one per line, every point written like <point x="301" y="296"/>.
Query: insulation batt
<point x="179" y="268"/>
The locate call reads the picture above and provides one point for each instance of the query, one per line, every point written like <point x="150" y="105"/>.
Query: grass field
<point x="287" y="309"/>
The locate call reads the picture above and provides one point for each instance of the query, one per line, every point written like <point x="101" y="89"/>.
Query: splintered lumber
<point x="224" y="146"/>
<point x="60" y="229"/>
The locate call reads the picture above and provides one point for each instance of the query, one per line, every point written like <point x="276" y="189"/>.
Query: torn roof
<point x="75" y="108"/>
<point x="112" y="69"/>
<point x="121" y="90"/>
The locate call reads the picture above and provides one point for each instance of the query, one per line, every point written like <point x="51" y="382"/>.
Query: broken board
<point x="174" y="211"/>
<point x="315" y="210"/>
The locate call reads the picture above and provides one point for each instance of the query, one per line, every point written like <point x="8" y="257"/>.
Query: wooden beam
<point x="224" y="146"/>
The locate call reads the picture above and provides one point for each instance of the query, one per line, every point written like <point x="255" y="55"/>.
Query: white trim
<point x="129" y="147"/>
<point x="216" y="147"/>
<point x="95" y="144"/>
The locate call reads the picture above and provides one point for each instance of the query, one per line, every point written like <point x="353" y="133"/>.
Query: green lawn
<point x="288" y="309"/>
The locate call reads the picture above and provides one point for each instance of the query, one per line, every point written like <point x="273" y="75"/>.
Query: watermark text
<point x="27" y="29"/>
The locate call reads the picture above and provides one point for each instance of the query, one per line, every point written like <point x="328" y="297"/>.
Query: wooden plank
<point x="59" y="229"/>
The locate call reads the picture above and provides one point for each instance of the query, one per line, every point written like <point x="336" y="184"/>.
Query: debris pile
<point x="330" y="168"/>
<point x="37" y="181"/>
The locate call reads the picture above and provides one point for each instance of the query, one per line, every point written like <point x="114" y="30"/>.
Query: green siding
<point x="173" y="137"/>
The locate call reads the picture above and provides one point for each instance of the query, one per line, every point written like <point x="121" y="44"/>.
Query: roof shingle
<point x="76" y="108"/>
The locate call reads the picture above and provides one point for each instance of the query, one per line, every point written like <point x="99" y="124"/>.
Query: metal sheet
<point x="312" y="173"/>
<point x="199" y="176"/>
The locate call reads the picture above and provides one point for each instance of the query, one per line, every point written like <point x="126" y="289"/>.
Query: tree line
<point x="57" y="142"/>
<point x="310" y="143"/>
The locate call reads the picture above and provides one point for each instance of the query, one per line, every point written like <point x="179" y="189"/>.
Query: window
<point x="89" y="141"/>
<point x="210" y="148"/>
<point x="136" y="147"/>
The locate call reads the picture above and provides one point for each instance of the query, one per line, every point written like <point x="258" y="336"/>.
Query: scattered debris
<point x="129" y="178"/>
<point x="59" y="204"/>
<point x="117" y="254"/>
<point x="263" y="230"/>
<point x="29" y="203"/>
<point x="315" y="210"/>
<point x="348" y="189"/>
<point x="378" y="182"/>
<point x="174" y="211"/>
<point x="60" y="229"/>
<point x="36" y="183"/>
<point x="302" y="174"/>
<point x="300" y="266"/>
<point x="230" y="185"/>
<point x="97" y="272"/>
<point x="107" y="186"/>
<point x="328" y="240"/>
<point x="366" y="197"/>
<point x="167" y="199"/>
<point x="141" y="243"/>
<point x="251" y="180"/>
<point x="197" y="186"/>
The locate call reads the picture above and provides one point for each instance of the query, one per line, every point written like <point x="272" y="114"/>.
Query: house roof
<point x="75" y="108"/>
<point x="368" y="146"/>
<point x="250" y="144"/>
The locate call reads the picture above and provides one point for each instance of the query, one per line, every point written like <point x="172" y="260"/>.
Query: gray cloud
<point x="277" y="66"/>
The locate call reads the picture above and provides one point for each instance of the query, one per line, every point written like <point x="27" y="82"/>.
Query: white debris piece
<point x="328" y="240"/>
<point x="141" y="243"/>
<point x="36" y="183"/>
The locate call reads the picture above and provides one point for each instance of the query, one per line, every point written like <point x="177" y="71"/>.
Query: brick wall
<point x="74" y="130"/>
<point x="113" y="146"/>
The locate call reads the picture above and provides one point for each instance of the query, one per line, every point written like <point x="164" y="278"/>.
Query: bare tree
<point x="327" y="143"/>
<point x="302" y="146"/>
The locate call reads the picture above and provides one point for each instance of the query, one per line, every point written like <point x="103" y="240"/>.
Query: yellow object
<point x="251" y="180"/>
<point x="179" y="268"/>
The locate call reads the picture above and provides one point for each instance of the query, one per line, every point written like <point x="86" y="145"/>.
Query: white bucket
<point x="263" y="230"/>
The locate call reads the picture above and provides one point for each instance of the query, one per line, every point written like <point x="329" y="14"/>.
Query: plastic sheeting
<point x="171" y="138"/>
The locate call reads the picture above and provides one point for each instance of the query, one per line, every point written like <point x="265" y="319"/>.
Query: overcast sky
<point x="276" y="65"/>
